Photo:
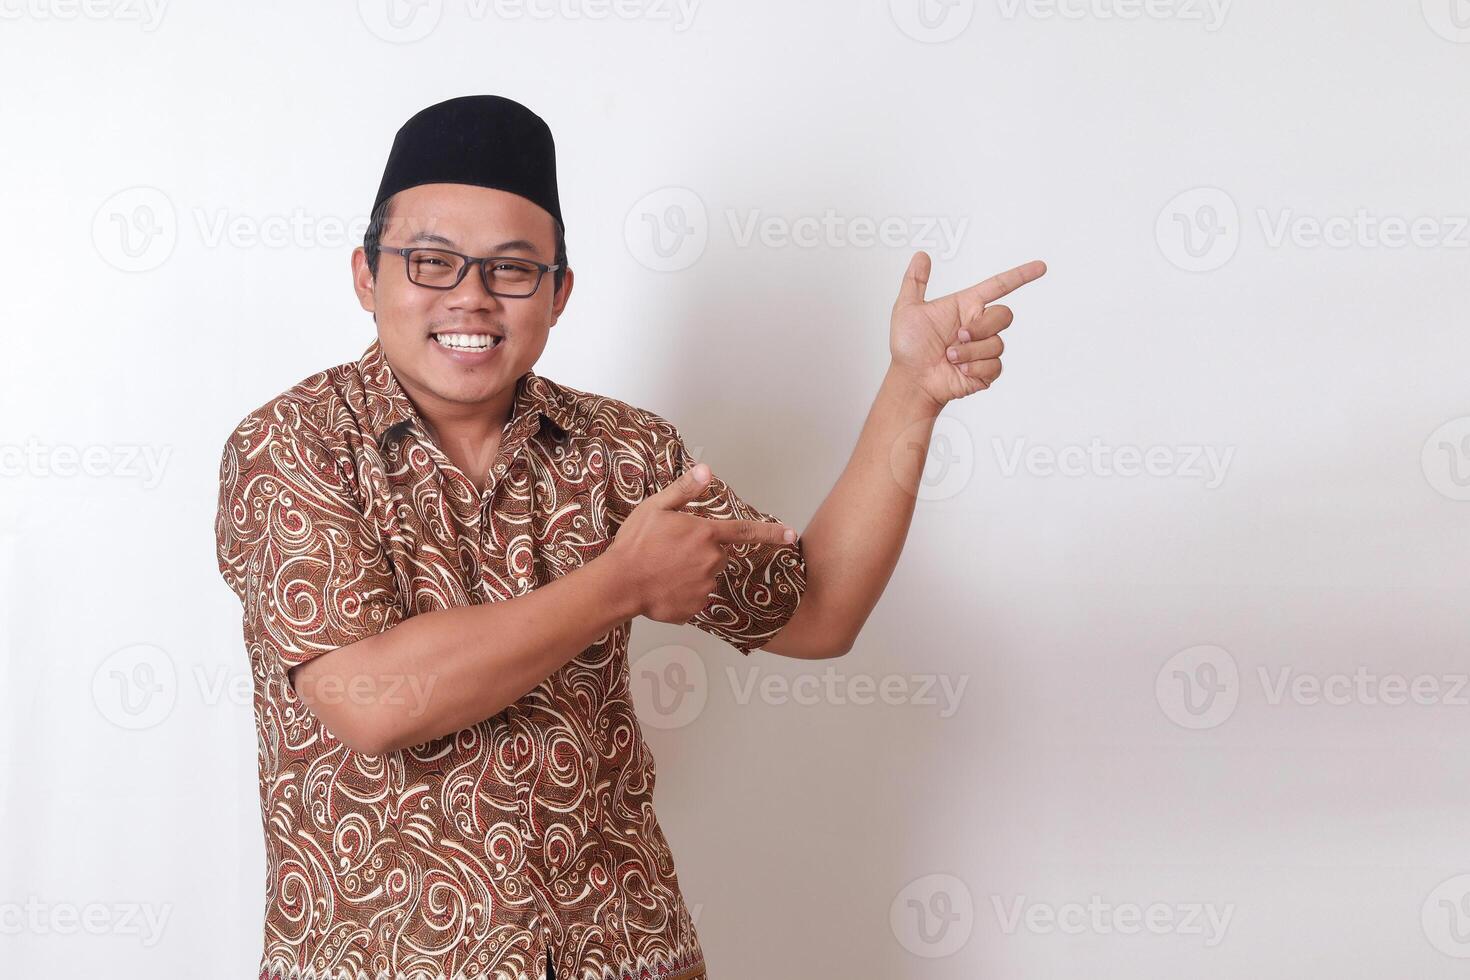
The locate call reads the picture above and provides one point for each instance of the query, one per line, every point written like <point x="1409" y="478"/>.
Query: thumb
<point x="690" y="484"/>
<point x="915" y="279"/>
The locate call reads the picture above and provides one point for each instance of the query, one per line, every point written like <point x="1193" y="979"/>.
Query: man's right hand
<point x="669" y="560"/>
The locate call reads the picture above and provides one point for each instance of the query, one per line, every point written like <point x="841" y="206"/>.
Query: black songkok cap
<point x="484" y="140"/>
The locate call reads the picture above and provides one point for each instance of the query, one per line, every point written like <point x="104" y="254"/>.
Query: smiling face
<point x="461" y="384"/>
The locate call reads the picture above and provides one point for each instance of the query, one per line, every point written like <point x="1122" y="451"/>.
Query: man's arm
<point x="853" y="541"/>
<point x="439" y="672"/>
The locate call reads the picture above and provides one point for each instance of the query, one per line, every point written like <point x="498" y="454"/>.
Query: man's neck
<point x="469" y="435"/>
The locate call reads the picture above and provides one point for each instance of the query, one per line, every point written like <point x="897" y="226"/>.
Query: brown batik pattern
<point x="533" y="832"/>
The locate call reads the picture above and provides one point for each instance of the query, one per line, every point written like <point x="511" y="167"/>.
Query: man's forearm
<point x="436" y="673"/>
<point x="853" y="541"/>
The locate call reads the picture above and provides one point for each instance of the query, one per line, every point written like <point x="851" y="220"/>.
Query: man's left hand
<point x="950" y="347"/>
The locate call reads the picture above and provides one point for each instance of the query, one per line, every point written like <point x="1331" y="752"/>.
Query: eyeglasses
<point x="439" y="268"/>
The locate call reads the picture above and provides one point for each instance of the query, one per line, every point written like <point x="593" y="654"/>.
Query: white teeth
<point x="467" y="341"/>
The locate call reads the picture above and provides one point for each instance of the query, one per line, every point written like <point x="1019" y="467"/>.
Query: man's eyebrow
<point x="514" y="245"/>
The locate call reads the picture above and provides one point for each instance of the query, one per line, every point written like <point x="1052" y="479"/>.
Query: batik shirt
<point x="532" y="833"/>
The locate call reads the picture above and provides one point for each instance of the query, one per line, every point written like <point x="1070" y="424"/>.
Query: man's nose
<point x="471" y="293"/>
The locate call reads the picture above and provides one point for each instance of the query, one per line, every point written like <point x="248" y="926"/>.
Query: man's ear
<point x="562" y="295"/>
<point x="363" y="282"/>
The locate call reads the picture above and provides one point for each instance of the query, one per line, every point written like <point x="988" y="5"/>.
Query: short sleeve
<point x="310" y="571"/>
<point x="762" y="584"/>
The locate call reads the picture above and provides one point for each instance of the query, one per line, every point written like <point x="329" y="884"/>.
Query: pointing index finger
<point x="736" y="531"/>
<point x="999" y="285"/>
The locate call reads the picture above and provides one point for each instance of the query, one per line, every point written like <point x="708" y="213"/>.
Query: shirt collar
<point x="387" y="406"/>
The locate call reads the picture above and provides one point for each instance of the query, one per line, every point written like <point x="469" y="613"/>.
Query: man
<point x="439" y="554"/>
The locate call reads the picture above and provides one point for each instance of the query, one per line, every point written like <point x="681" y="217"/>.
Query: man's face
<point x="475" y="221"/>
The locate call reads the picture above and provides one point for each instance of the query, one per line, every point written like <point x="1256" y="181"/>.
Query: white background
<point x="1081" y="609"/>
